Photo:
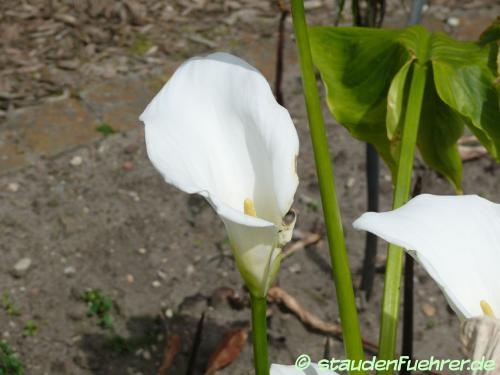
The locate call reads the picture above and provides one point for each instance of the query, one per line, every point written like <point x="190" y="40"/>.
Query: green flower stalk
<point x="340" y="266"/>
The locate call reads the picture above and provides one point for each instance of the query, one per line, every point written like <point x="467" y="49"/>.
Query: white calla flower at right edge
<point x="215" y="129"/>
<point x="457" y="240"/>
<point x="312" y="369"/>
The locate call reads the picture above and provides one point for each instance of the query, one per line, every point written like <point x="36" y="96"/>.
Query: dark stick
<point x="279" y="57"/>
<point x="407" y="345"/>
<point x="408" y="296"/>
<point x="196" y="345"/>
<point x="372" y="173"/>
<point x="416" y="12"/>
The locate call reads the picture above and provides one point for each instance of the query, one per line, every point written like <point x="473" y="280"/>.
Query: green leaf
<point x="395" y="100"/>
<point x="465" y="82"/>
<point x="366" y="71"/>
<point x="491" y="34"/>
<point x="357" y="66"/>
<point x="440" y="128"/>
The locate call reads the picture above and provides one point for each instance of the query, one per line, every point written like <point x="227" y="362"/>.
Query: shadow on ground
<point x="141" y="349"/>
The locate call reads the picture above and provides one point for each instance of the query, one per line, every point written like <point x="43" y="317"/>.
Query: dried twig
<point x="276" y="294"/>
<point x="292" y="247"/>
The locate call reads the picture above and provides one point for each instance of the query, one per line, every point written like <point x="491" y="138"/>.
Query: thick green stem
<point x="340" y="264"/>
<point x="259" y="335"/>
<point x="390" y="302"/>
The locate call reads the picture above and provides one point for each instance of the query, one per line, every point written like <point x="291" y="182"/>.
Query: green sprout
<point x="105" y="129"/>
<point x="8" y="305"/>
<point x="9" y="362"/>
<point x="142" y="44"/>
<point x="30" y="328"/>
<point x="100" y="306"/>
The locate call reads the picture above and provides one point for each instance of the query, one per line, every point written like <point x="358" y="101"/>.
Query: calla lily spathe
<point x="313" y="369"/>
<point x="216" y="130"/>
<point x="457" y="241"/>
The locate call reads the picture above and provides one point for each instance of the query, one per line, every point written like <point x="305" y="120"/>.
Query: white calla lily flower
<point x="216" y="130"/>
<point x="312" y="369"/>
<point x="457" y="241"/>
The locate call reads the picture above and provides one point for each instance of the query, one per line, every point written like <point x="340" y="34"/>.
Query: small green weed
<point x="30" y="328"/>
<point x="9" y="362"/>
<point x="100" y="306"/>
<point x="141" y="45"/>
<point x="105" y="129"/>
<point x="8" y="305"/>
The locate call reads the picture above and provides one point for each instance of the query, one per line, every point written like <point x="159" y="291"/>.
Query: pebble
<point x="69" y="271"/>
<point x="13" y="187"/>
<point x="350" y="182"/>
<point x="190" y="270"/>
<point x="130" y="278"/>
<point x="169" y="313"/>
<point x="22" y="266"/>
<point x="76" y="161"/>
<point x="128" y="166"/>
<point x="428" y="309"/>
<point x="142" y="251"/>
<point x="295" y="268"/>
<point x="453" y="21"/>
<point x="156" y="284"/>
<point x="146" y="355"/>
<point x="161" y="275"/>
<point x="135" y="197"/>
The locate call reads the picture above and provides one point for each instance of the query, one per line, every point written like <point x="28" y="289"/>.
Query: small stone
<point x="146" y="355"/>
<point x="189" y="270"/>
<point x="78" y="312"/>
<point x="142" y="251"/>
<point x="69" y="271"/>
<point x="76" y="161"/>
<point x="130" y="278"/>
<point x="135" y="197"/>
<point x="350" y="182"/>
<point x="295" y="268"/>
<point x="13" y="187"/>
<point x="453" y="21"/>
<point x="156" y="284"/>
<point x="21" y="267"/>
<point x="428" y="310"/>
<point x="127" y="166"/>
<point x="169" y="313"/>
<point x="161" y="275"/>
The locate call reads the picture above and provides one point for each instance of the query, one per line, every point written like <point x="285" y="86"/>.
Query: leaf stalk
<point x="392" y="284"/>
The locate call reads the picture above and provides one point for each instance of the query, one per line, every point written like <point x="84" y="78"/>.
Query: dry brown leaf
<point x="276" y="294"/>
<point x="228" y="350"/>
<point x="171" y="351"/>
